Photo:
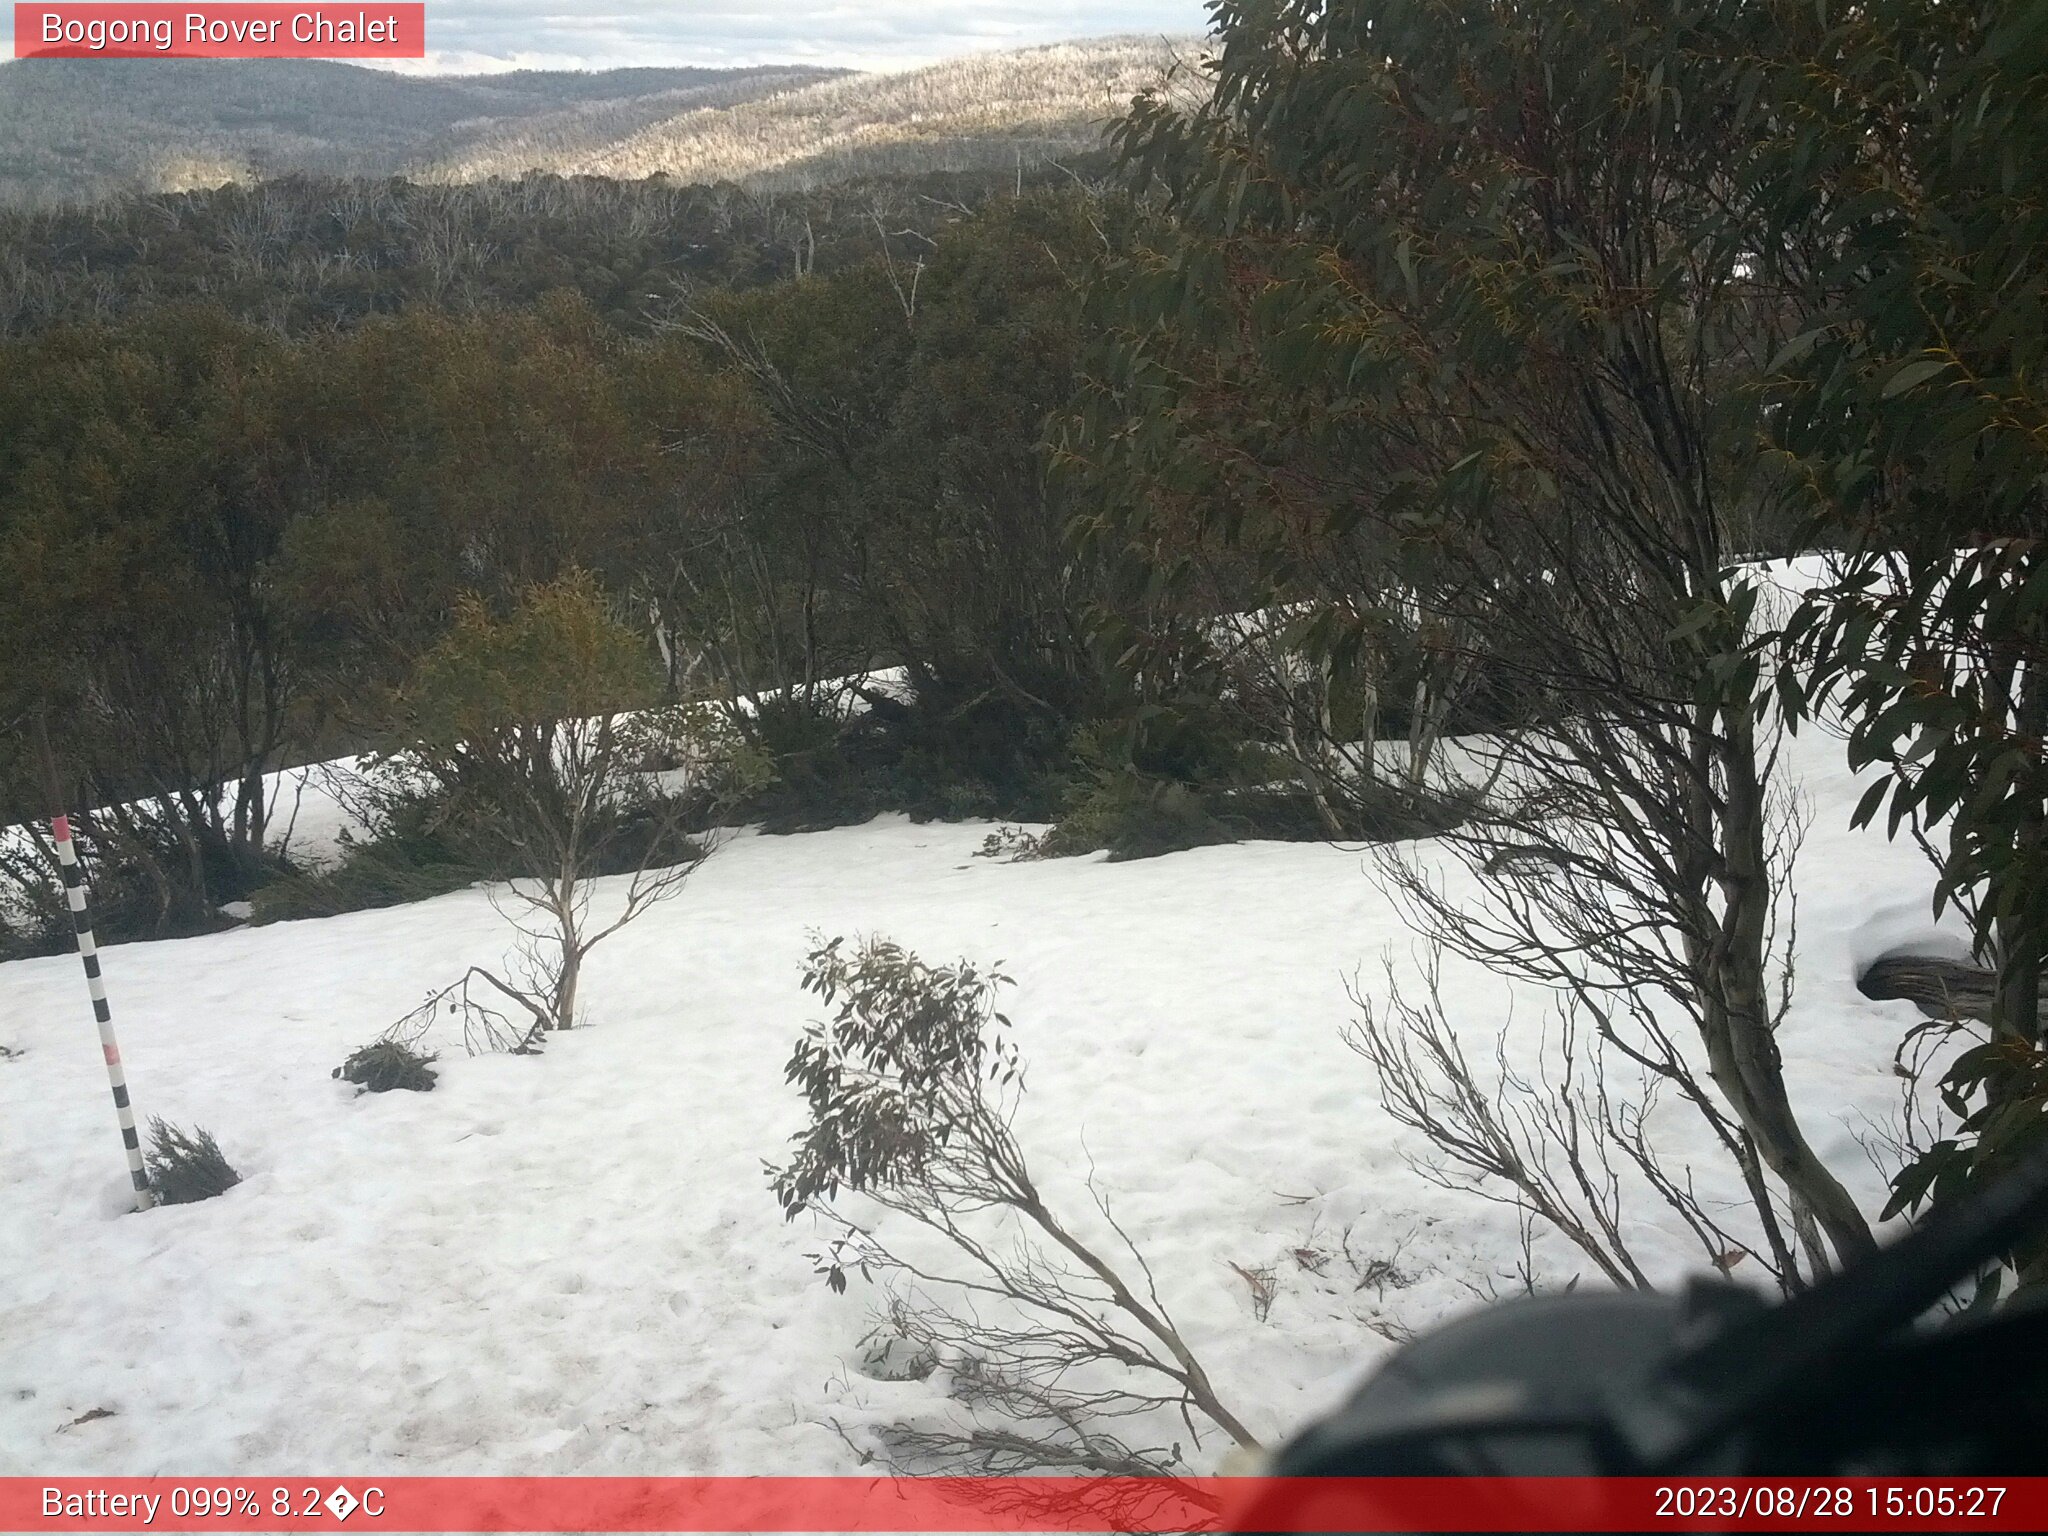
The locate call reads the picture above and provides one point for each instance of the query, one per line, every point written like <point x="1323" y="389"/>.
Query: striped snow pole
<point x="89" y="952"/>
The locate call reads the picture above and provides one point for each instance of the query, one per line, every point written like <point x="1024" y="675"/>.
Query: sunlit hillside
<point x="1027" y="106"/>
<point x="79" y="130"/>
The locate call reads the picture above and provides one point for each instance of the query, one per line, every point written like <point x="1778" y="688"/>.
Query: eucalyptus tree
<point x="1456" y="321"/>
<point x="1912" y="156"/>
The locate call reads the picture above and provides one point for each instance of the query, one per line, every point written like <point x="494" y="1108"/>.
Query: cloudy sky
<point x="862" y="34"/>
<point x="866" y="34"/>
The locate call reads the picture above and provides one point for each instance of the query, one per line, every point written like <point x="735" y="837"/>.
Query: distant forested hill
<point x="983" y="111"/>
<point x="305" y="253"/>
<point x="75" y="130"/>
<point x="82" y="130"/>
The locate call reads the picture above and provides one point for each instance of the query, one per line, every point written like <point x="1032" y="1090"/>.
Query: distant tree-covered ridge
<point x="1002" y="111"/>
<point x="313" y="252"/>
<point x="81" y="131"/>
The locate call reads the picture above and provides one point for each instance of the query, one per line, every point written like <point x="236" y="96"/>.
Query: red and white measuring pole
<point x="95" y="983"/>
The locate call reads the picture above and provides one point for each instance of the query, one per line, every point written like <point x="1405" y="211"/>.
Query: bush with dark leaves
<point x="385" y="1065"/>
<point x="186" y="1166"/>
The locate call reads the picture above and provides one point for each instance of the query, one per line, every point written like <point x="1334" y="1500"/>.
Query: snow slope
<point x="572" y="1264"/>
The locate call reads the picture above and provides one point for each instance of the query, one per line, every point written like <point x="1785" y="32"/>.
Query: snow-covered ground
<point x="572" y="1263"/>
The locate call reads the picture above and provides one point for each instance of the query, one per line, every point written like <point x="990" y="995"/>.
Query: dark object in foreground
<point x="1943" y="989"/>
<point x="1843" y="1379"/>
<point x="186" y="1166"/>
<point x="387" y="1064"/>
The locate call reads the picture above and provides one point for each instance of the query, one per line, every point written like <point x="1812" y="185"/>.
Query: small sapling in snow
<point x="1049" y="1330"/>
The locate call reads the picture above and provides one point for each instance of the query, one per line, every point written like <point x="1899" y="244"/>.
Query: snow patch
<point x="572" y="1264"/>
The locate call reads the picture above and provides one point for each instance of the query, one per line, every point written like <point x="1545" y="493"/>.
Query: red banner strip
<point x="367" y="29"/>
<point x="1017" y="1504"/>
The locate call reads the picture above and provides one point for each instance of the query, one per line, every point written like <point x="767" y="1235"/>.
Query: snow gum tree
<point x="1451" y="315"/>
<point x="543" y="733"/>
<point x="143" y="496"/>
<point x="1910" y="161"/>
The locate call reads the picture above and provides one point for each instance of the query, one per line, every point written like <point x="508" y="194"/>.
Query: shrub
<point x="966" y="750"/>
<point x="910" y="1088"/>
<point x="1172" y="785"/>
<point x="424" y="843"/>
<point x="946" y="755"/>
<point x="1163" y="789"/>
<point x="33" y="917"/>
<point x="186" y="1166"/>
<point x="145" y="883"/>
<point x="416" y="850"/>
<point x="20" y="937"/>
<point x="385" y="1065"/>
<point x="813" y="780"/>
<point x="370" y="875"/>
<point x="1136" y="818"/>
<point x="1011" y="845"/>
<point x="498" y="715"/>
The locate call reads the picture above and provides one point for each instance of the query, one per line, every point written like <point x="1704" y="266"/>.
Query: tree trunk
<point x="2017" y="1011"/>
<point x="565" y="988"/>
<point x="566" y="981"/>
<point x="1742" y="1048"/>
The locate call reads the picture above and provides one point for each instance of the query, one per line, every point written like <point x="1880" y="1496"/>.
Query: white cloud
<point x="477" y="36"/>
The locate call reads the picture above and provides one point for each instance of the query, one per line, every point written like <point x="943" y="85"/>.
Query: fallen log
<point x="1942" y="989"/>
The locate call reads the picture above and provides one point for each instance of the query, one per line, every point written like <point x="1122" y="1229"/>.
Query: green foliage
<point x="147" y="876"/>
<point x="910" y="1088"/>
<point x="1997" y="1093"/>
<point x="912" y="1055"/>
<point x="237" y="549"/>
<point x="185" y="1166"/>
<point x="943" y="757"/>
<point x="904" y="518"/>
<point x="1151" y="789"/>
<point x="450" y="456"/>
<point x="1912" y="408"/>
<point x="925" y="757"/>
<point x="145" y="889"/>
<point x="542" y="732"/>
<point x="483" y="712"/>
<point x="811" y="781"/>
<point x="1134" y="817"/>
<point x="1428" y="283"/>
<point x="385" y="1066"/>
<point x="1381" y="263"/>
<point x="560" y="653"/>
<point x="416" y="852"/>
<point x="308" y="253"/>
<point x="1449" y="352"/>
<point x="140" y="508"/>
<point x="17" y="941"/>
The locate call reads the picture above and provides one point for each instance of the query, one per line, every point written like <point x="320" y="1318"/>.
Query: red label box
<point x="996" y="1506"/>
<point x="366" y="29"/>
